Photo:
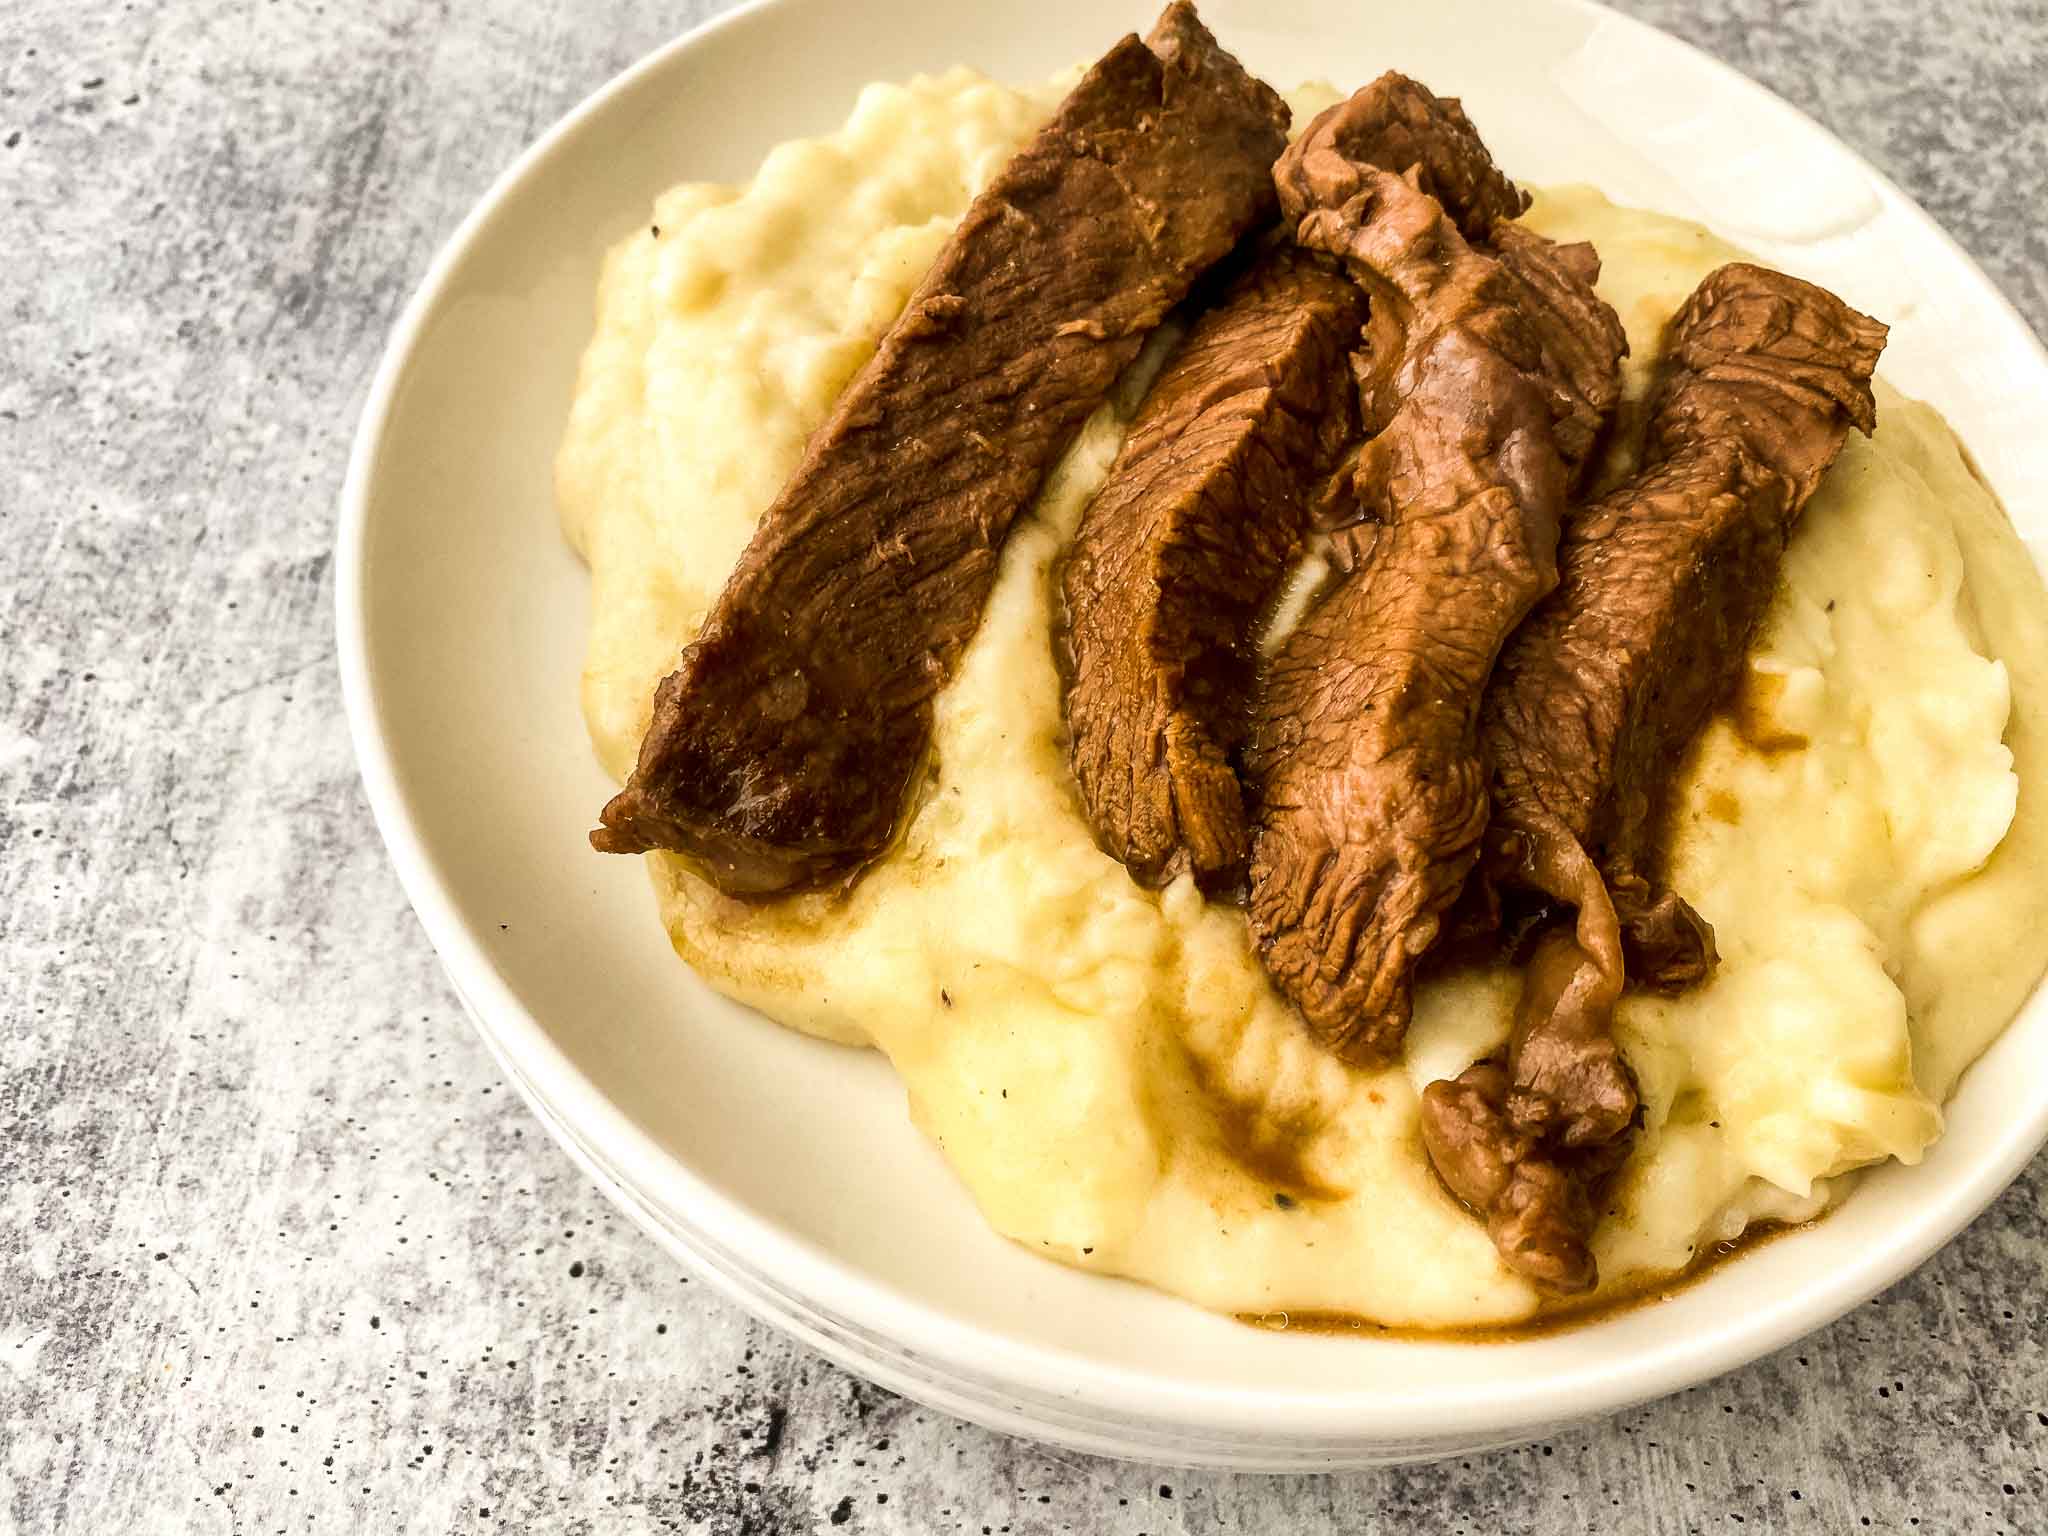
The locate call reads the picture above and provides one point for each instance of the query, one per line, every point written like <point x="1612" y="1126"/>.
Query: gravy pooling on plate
<point x="1109" y="1067"/>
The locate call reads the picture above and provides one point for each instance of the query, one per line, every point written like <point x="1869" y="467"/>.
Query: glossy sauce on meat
<point x="1487" y="374"/>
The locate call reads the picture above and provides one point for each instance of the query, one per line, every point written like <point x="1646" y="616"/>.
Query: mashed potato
<point x="1106" y="1067"/>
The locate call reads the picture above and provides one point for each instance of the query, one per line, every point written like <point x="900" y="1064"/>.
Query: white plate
<point x="787" y="1170"/>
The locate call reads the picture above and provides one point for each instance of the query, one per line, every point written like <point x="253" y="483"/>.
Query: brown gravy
<point x="1269" y="1154"/>
<point x="1749" y="711"/>
<point x="1753" y="711"/>
<point x="1549" y="1320"/>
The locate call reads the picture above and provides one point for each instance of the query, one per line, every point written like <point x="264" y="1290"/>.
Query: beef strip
<point x="784" y="746"/>
<point x="1486" y="377"/>
<point x="1663" y="584"/>
<point x="1582" y="337"/>
<point x="1397" y="124"/>
<point x="1178" y="555"/>
<point x="1490" y="1140"/>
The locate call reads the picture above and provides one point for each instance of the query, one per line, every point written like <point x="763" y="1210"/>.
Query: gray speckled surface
<point x="280" y="1252"/>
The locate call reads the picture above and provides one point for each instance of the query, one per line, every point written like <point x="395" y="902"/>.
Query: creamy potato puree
<point x="1107" y="1068"/>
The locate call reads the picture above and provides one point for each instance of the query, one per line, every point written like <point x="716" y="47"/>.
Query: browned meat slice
<point x="1497" y="1145"/>
<point x="783" y="747"/>
<point x="1396" y="124"/>
<point x="1582" y="339"/>
<point x="1180" y="552"/>
<point x="1663" y="583"/>
<point x="1486" y="378"/>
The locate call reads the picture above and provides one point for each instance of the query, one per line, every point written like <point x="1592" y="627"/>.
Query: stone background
<point x="280" y="1252"/>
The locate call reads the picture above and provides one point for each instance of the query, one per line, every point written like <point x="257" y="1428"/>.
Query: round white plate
<point x="787" y="1170"/>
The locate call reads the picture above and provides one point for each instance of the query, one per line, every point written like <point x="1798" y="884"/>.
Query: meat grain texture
<point x="783" y="749"/>
<point x="1595" y="701"/>
<point x="1487" y="375"/>
<point x="1178" y="556"/>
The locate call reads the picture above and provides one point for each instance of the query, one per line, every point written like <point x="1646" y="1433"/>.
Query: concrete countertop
<point x="281" y="1250"/>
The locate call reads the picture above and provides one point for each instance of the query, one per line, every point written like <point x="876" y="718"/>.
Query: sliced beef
<point x="783" y="748"/>
<point x="1663" y="584"/>
<point x="1498" y="1145"/>
<point x="1397" y="124"/>
<point x="1180" y="552"/>
<point x="1486" y="377"/>
<point x="1581" y="336"/>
